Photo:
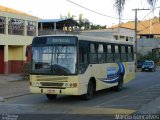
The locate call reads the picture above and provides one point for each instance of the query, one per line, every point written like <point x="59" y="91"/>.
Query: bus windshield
<point x="57" y="60"/>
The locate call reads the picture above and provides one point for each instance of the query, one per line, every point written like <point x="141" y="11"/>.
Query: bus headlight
<point x="36" y="84"/>
<point x="70" y="85"/>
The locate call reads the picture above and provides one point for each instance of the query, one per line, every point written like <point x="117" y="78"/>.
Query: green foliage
<point x="84" y="23"/>
<point x="152" y="3"/>
<point x="149" y="56"/>
<point x="81" y="20"/>
<point x="119" y="4"/>
<point x="94" y="27"/>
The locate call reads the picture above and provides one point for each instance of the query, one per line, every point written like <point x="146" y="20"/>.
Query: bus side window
<point x="130" y="53"/>
<point x="123" y="54"/>
<point x="101" y="55"/>
<point x="93" y="53"/>
<point x="116" y="53"/>
<point x="110" y="54"/>
<point x="83" y="58"/>
<point x="132" y="50"/>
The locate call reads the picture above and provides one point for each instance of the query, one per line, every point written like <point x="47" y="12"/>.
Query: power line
<point x="96" y="11"/>
<point x="149" y="13"/>
<point x="112" y="16"/>
<point x="136" y="10"/>
<point x="146" y="27"/>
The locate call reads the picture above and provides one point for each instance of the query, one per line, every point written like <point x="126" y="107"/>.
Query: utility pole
<point x="135" y="46"/>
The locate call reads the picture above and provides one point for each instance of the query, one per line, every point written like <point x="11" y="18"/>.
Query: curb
<point x="17" y="95"/>
<point x="2" y="99"/>
<point x="17" y="80"/>
<point x="151" y="108"/>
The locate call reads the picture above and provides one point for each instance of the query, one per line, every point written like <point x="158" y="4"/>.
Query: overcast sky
<point x="51" y="9"/>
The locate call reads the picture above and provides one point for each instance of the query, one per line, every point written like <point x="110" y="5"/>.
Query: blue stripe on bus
<point x="114" y="77"/>
<point x="113" y="80"/>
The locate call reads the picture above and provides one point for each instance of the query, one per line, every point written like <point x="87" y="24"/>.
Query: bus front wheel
<point x="90" y="91"/>
<point x="50" y="96"/>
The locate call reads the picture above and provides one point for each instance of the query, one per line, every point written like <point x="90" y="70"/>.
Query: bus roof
<point x="91" y="38"/>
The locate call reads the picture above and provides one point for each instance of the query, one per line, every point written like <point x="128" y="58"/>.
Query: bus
<point x="79" y="65"/>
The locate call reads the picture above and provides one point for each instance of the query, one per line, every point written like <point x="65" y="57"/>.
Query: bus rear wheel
<point x="50" y="96"/>
<point x="90" y="91"/>
<point x="120" y="84"/>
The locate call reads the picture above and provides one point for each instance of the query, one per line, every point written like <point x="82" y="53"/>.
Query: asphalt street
<point x="105" y="104"/>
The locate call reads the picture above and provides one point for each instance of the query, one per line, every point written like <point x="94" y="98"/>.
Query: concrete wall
<point x="144" y="46"/>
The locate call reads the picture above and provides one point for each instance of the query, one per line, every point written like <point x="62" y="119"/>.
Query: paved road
<point x="137" y="93"/>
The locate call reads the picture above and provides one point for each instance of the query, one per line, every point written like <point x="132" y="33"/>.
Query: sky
<point x="52" y="9"/>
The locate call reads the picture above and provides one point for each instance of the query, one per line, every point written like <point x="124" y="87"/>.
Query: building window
<point x="15" y="26"/>
<point x="122" y="37"/>
<point x="31" y="28"/>
<point x="116" y="37"/>
<point x="127" y="39"/>
<point x="130" y="39"/>
<point x="2" y="24"/>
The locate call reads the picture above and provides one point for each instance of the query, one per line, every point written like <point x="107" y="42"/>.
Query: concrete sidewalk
<point x="12" y="86"/>
<point x="151" y="108"/>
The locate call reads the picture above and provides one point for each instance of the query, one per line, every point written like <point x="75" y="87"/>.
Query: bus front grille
<point x="51" y="84"/>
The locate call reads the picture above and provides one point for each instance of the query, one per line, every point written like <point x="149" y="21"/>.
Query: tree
<point x="68" y="16"/>
<point x="94" y="27"/>
<point x="81" y="20"/>
<point x="119" y="4"/>
<point x="149" y="56"/>
<point x="84" y="22"/>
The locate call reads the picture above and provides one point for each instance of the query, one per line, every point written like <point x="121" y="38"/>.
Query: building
<point x="70" y="26"/>
<point x="57" y="26"/>
<point x="123" y="34"/>
<point x="16" y="32"/>
<point x="146" y="45"/>
<point x="145" y="29"/>
<point x="148" y="33"/>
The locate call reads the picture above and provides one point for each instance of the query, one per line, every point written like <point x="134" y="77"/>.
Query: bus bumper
<point x="59" y="91"/>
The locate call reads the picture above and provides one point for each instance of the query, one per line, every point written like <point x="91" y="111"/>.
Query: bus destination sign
<point x="61" y="40"/>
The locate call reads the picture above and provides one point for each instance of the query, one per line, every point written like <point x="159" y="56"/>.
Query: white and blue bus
<point x="79" y="65"/>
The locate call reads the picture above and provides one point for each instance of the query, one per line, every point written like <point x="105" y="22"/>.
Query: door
<point x="1" y="59"/>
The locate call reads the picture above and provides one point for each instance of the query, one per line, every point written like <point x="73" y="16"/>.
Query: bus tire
<point x="51" y="96"/>
<point x="120" y="84"/>
<point x="90" y="91"/>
